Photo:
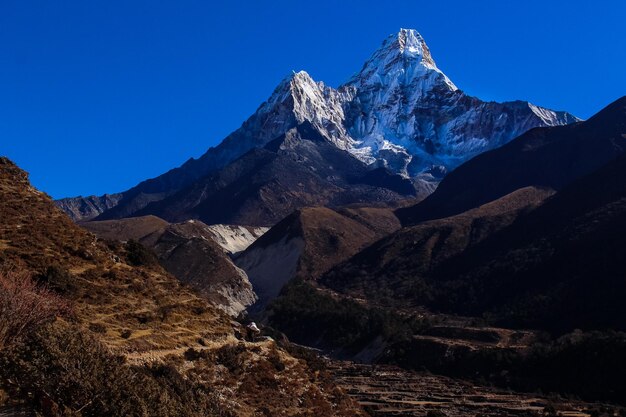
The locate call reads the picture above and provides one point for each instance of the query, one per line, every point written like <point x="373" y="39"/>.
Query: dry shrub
<point x="63" y="367"/>
<point x="25" y="306"/>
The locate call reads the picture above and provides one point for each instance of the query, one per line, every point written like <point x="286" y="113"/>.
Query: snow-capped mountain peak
<point x="411" y="43"/>
<point x="298" y="99"/>
<point x="403" y="59"/>
<point x="400" y="112"/>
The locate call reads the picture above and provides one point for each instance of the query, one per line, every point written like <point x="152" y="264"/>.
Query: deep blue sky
<point x="96" y="96"/>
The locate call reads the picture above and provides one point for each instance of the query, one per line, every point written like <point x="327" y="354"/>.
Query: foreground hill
<point x="399" y="112"/>
<point x="545" y="157"/>
<point x="136" y="342"/>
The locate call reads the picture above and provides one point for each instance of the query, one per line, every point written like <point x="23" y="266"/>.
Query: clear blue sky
<point x="96" y="96"/>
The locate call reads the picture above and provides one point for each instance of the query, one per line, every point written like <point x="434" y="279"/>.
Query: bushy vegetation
<point x="25" y="306"/>
<point x="67" y="372"/>
<point x="315" y="318"/>
<point x="588" y="365"/>
<point x="138" y="255"/>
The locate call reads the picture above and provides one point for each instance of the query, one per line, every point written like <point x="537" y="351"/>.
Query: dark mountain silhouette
<point x="396" y="269"/>
<point x="560" y="267"/>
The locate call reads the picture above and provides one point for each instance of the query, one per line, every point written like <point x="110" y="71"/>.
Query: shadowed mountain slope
<point x="559" y="267"/>
<point x="395" y="270"/>
<point x="298" y="169"/>
<point x="309" y="242"/>
<point x="550" y="157"/>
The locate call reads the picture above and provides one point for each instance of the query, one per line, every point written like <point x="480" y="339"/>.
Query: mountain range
<point x="542" y="255"/>
<point x="512" y="271"/>
<point x="391" y="132"/>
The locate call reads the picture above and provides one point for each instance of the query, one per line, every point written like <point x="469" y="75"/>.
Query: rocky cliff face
<point x="400" y="112"/>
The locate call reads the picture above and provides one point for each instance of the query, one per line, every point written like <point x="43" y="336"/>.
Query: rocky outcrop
<point x="235" y="239"/>
<point x="189" y="253"/>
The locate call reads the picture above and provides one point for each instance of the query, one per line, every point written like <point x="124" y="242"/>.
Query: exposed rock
<point x="87" y="208"/>
<point x="234" y="239"/>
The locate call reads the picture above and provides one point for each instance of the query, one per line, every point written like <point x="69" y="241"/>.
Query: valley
<point x="388" y="247"/>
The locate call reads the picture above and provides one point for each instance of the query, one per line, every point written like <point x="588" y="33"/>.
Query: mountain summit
<point x="400" y="114"/>
<point x="407" y="115"/>
<point x="401" y="58"/>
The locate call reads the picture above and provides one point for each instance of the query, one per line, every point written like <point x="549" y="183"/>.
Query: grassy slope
<point x="146" y="316"/>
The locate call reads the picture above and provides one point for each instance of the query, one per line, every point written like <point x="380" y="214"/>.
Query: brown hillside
<point x="188" y="251"/>
<point x="178" y="352"/>
<point x="393" y="269"/>
<point x="135" y="228"/>
<point x="309" y="242"/>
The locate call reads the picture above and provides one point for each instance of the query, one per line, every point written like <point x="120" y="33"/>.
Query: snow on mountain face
<point x="400" y="111"/>
<point x="408" y="116"/>
<point x="235" y="239"/>
<point x="309" y="101"/>
<point x="403" y="59"/>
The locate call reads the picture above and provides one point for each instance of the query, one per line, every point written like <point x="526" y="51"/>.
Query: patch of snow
<point x="235" y="239"/>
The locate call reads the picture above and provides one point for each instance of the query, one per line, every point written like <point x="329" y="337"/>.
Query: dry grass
<point x="144" y="313"/>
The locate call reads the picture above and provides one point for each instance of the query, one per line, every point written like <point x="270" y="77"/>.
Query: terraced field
<point x="386" y="391"/>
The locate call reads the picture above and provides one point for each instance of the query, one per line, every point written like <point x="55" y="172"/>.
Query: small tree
<point x="25" y="306"/>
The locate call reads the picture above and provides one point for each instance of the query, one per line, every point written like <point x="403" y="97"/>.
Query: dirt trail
<point x="387" y="391"/>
